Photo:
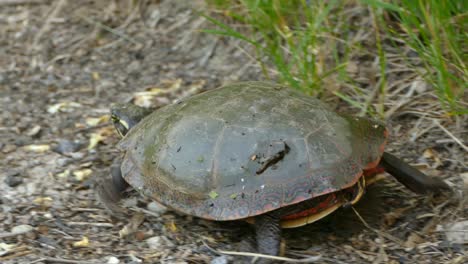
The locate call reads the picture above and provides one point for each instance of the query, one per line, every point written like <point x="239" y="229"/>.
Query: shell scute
<point x="266" y="144"/>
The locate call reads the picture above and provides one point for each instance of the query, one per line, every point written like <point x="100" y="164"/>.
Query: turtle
<point x="254" y="151"/>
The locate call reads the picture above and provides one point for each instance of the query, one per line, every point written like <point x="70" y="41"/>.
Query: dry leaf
<point x="96" y="76"/>
<point x="352" y="68"/>
<point x="84" y="242"/>
<point x="112" y="260"/>
<point x="457" y="232"/>
<point x="62" y="107"/>
<point x="43" y="229"/>
<point x="391" y="217"/>
<point x="132" y="225"/>
<point x="88" y="164"/>
<point x="34" y="130"/>
<point x="146" y="98"/>
<point x="64" y="174"/>
<point x="6" y="248"/>
<point x="43" y="201"/>
<point x="94" y="121"/>
<point x="431" y="154"/>
<point x="37" y="148"/>
<point x="419" y="85"/>
<point x="464" y="177"/>
<point x="413" y="240"/>
<point x="94" y="139"/>
<point x="81" y="175"/>
<point x="139" y="235"/>
<point x="213" y="194"/>
<point x="99" y="136"/>
<point x="157" y="208"/>
<point x="171" y="226"/>
<point x="21" y="229"/>
<point x="157" y="242"/>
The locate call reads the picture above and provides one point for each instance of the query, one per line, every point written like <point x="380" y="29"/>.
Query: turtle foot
<point x="109" y="197"/>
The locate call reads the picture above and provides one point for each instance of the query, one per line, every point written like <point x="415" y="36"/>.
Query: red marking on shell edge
<point x="300" y="199"/>
<point x="372" y="171"/>
<point x="268" y="208"/>
<point x="329" y="201"/>
<point x="356" y="178"/>
<point x="375" y="163"/>
<point x="372" y="164"/>
<point x="198" y="209"/>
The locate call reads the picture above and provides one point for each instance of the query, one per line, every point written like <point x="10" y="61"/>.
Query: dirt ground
<point x="62" y="63"/>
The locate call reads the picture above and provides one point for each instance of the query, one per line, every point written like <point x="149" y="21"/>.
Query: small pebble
<point x="65" y="146"/>
<point x="156" y="207"/>
<point x="14" y="179"/>
<point x="158" y="242"/>
<point x="112" y="260"/>
<point x="456" y="232"/>
<point x="21" y="229"/>
<point x="47" y="241"/>
<point x="220" y="260"/>
<point x="22" y="141"/>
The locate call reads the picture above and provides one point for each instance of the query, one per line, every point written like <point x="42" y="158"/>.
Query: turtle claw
<point x="109" y="197"/>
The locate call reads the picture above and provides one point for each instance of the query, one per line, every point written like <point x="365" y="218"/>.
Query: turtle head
<point x="125" y="116"/>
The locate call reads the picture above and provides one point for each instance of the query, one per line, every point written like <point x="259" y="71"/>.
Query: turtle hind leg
<point x="411" y="177"/>
<point x="268" y="236"/>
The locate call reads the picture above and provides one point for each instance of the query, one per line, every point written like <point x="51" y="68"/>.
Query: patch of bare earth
<point x="62" y="63"/>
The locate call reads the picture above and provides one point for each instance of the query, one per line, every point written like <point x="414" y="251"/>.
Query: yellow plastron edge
<point x="310" y="218"/>
<point x="292" y="223"/>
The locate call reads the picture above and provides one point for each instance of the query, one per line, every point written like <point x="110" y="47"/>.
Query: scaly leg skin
<point x="268" y="233"/>
<point x="410" y="177"/>
<point x="111" y="192"/>
<point x="118" y="181"/>
<point x="248" y="244"/>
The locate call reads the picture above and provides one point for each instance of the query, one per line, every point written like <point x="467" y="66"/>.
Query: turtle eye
<point x="114" y="118"/>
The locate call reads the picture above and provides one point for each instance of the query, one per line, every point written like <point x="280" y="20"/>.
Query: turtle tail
<point x="411" y="177"/>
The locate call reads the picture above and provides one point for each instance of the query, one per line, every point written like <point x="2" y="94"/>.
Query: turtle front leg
<point x="118" y="182"/>
<point x="268" y="235"/>
<point x="111" y="192"/>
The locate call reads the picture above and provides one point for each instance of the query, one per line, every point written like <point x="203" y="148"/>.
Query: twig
<point x="85" y="209"/>
<point x="299" y="254"/>
<point x="12" y="234"/>
<point x="89" y="224"/>
<point x="185" y="18"/>
<point x="109" y="29"/>
<point x="257" y="255"/>
<point x="58" y="7"/>
<point x="390" y="237"/>
<point x="458" y="141"/>
<point x="86" y="129"/>
<point x="22" y="2"/>
<point x="15" y="255"/>
<point x="67" y="261"/>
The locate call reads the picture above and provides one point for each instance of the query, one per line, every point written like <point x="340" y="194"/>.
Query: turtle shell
<point x="246" y="149"/>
